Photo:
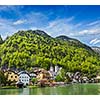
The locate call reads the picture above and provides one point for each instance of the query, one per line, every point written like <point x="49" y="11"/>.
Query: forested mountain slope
<point x="27" y="49"/>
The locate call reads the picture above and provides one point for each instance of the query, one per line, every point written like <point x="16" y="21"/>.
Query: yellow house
<point x="40" y="76"/>
<point x="12" y="76"/>
<point x="43" y="75"/>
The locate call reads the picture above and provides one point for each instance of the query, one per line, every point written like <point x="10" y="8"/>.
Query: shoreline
<point x="34" y="86"/>
<point x="9" y="87"/>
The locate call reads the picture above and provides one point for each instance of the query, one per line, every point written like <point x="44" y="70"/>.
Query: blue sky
<point x="80" y="22"/>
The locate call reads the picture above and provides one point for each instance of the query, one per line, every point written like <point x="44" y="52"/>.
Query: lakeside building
<point x="12" y="75"/>
<point x="24" y="77"/>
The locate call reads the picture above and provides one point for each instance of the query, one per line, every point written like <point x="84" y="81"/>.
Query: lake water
<point x="75" y="89"/>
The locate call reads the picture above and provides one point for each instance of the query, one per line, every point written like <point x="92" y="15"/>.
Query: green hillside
<point x="27" y="49"/>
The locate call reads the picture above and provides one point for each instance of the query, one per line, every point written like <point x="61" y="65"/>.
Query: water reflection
<point x="25" y="91"/>
<point x="76" y="89"/>
<point x="10" y="91"/>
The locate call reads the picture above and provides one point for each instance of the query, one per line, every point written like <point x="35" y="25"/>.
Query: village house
<point x="97" y="79"/>
<point x="24" y="77"/>
<point x="12" y="75"/>
<point x="43" y="74"/>
<point x="43" y="78"/>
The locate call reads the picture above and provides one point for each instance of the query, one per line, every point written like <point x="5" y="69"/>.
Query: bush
<point x="59" y="78"/>
<point x="34" y="80"/>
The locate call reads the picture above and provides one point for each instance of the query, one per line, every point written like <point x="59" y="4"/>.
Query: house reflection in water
<point x="25" y="91"/>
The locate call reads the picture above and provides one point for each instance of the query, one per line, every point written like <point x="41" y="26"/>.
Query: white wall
<point x="24" y="78"/>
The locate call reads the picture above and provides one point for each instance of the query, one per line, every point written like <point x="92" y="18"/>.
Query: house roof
<point x="19" y="82"/>
<point x="98" y="77"/>
<point x="24" y="72"/>
<point x="32" y="74"/>
<point x="11" y="71"/>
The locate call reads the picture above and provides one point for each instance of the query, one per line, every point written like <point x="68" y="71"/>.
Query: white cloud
<point x="92" y="28"/>
<point x="18" y="22"/>
<point x="83" y="31"/>
<point x="78" y="25"/>
<point x="33" y="19"/>
<point x="94" y="23"/>
<point x="7" y="28"/>
<point x="90" y="31"/>
<point x="70" y="19"/>
<point x="60" y="27"/>
<point x="60" y="21"/>
<point x="37" y="19"/>
<point x="94" y="41"/>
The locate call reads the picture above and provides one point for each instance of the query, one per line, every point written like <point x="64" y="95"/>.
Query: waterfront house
<point x="12" y="75"/>
<point x="85" y="79"/>
<point x="24" y="77"/>
<point x="97" y="79"/>
<point x="43" y="78"/>
<point x="37" y="70"/>
<point x="40" y="76"/>
<point x="43" y="75"/>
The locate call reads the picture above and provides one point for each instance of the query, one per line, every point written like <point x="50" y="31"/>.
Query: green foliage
<point x="3" y="78"/>
<point x="27" y="49"/>
<point x="34" y="80"/>
<point x="60" y="76"/>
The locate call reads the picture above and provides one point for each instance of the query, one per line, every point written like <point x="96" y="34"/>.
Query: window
<point x="15" y="76"/>
<point x="11" y="76"/>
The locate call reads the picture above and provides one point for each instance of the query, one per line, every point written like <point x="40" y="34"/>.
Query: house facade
<point x="12" y="76"/>
<point x="24" y="77"/>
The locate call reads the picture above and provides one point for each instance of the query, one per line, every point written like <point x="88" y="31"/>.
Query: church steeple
<point x="51" y="68"/>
